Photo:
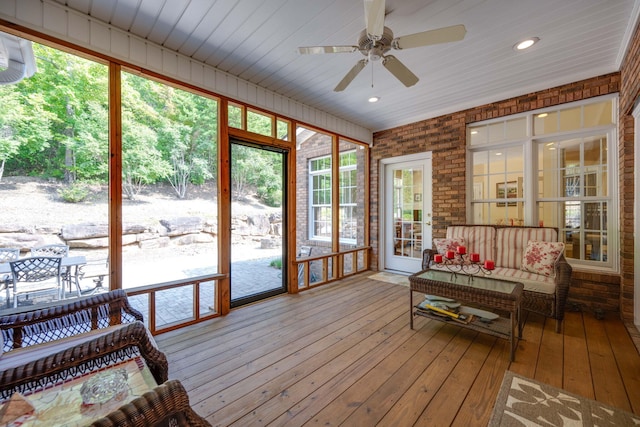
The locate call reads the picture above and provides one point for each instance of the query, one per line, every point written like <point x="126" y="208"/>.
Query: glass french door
<point x="258" y="237"/>
<point x="407" y="213"/>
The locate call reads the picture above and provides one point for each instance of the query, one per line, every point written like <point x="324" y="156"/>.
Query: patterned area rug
<point x="397" y="279"/>
<point x="525" y="402"/>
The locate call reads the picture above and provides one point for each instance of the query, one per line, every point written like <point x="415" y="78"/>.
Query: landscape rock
<point x="258" y="224"/>
<point x="190" y="239"/>
<point x="134" y="228"/>
<point x="97" y="243"/>
<point x="26" y="241"/>
<point x="160" y="242"/>
<point x="183" y="225"/>
<point x="15" y="228"/>
<point x="270" y="243"/>
<point x="87" y="230"/>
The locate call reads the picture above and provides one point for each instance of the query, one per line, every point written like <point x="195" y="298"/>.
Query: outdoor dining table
<point x="72" y="272"/>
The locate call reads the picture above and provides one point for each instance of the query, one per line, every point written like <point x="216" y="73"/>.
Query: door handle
<point x="427" y="223"/>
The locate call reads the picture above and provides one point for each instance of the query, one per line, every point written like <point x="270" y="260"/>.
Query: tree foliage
<point x="56" y="124"/>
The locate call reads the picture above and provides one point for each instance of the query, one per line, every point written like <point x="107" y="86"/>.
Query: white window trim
<point x="530" y="167"/>
<point x="311" y="233"/>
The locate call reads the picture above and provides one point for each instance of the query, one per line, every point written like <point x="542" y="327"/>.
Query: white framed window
<point x="320" y="197"/>
<point x="551" y="168"/>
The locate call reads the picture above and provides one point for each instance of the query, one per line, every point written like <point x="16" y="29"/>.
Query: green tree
<point x="23" y="123"/>
<point x="63" y="103"/>
<point x="186" y="129"/>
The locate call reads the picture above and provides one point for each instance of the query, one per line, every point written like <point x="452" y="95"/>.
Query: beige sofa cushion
<point x="511" y="243"/>
<point x="531" y="281"/>
<point x="479" y="239"/>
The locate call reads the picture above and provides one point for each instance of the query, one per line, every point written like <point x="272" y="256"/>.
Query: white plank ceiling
<point x="256" y="40"/>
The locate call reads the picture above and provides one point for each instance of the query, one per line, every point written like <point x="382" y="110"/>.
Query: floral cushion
<point x="444" y="245"/>
<point x="541" y="257"/>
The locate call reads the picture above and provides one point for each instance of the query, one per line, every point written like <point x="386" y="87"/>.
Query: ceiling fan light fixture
<point x="373" y="99"/>
<point x="525" y="44"/>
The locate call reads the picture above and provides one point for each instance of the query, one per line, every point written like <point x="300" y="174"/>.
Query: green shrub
<point x="74" y="193"/>
<point x="276" y="263"/>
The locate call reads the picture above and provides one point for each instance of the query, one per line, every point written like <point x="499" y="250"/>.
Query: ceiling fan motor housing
<point x="375" y="49"/>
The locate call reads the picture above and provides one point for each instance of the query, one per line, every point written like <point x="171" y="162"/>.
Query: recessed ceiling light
<point x="525" y="44"/>
<point x="374" y="99"/>
<point x="498" y="154"/>
<point x="474" y="132"/>
<point x="542" y="115"/>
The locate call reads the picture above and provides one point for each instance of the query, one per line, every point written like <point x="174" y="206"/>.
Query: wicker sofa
<point x="46" y="347"/>
<point x="28" y="335"/>
<point x="506" y="246"/>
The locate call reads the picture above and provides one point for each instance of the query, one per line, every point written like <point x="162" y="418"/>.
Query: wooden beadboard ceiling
<point x="256" y="40"/>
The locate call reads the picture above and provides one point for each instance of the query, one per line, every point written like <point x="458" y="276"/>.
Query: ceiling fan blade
<point x="425" y="38"/>
<point x="326" y="49"/>
<point x="350" y="75"/>
<point x="374" y="18"/>
<point x="399" y="70"/>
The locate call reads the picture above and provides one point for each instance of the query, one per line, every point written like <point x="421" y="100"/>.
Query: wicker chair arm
<point x="121" y="344"/>
<point x="427" y="257"/>
<point x="563" y="282"/>
<point x="167" y="400"/>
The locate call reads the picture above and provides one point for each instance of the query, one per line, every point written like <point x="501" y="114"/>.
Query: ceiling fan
<point x="376" y="40"/>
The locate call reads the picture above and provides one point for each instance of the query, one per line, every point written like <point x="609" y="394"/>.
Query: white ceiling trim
<point x="628" y="33"/>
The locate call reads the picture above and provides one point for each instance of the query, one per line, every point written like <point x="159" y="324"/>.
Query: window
<point x="579" y="204"/>
<point x="320" y="190"/>
<point x="348" y="186"/>
<point x="550" y="168"/>
<point x="320" y="171"/>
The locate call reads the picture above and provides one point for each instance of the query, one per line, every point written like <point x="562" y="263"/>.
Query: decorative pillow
<point x="541" y="257"/>
<point x="444" y="245"/>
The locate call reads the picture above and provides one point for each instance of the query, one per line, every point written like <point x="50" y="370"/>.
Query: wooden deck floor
<point x="343" y="354"/>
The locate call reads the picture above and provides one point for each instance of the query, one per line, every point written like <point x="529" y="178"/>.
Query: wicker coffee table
<point x="482" y="291"/>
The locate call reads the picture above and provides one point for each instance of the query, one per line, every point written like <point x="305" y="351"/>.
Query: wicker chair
<point x="167" y="404"/>
<point x="118" y="345"/>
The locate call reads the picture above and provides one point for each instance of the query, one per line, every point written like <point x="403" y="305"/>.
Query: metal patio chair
<point x="7" y="255"/>
<point x="305" y="251"/>
<point x="57" y="250"/>
<point x="35" y="276"/>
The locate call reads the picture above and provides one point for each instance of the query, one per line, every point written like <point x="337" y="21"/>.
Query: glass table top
<point x="479" y="282"/>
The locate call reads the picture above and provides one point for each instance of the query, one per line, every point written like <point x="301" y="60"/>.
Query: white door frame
<point x="636" y="216"/>
<point x="382" y="202"/>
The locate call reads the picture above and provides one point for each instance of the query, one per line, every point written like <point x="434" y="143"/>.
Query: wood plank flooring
<point x="343" y="354"/>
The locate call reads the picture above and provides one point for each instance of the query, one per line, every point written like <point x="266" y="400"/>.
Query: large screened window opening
<point x="551" y="168"/>
<point x="330" y="201"/>
<point x="169" y="185"/>
<point x="54" y="174"/>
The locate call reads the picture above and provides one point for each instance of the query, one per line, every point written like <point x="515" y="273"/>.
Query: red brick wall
<point x="445" y="137"/>
<point x="629" y="93"/>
